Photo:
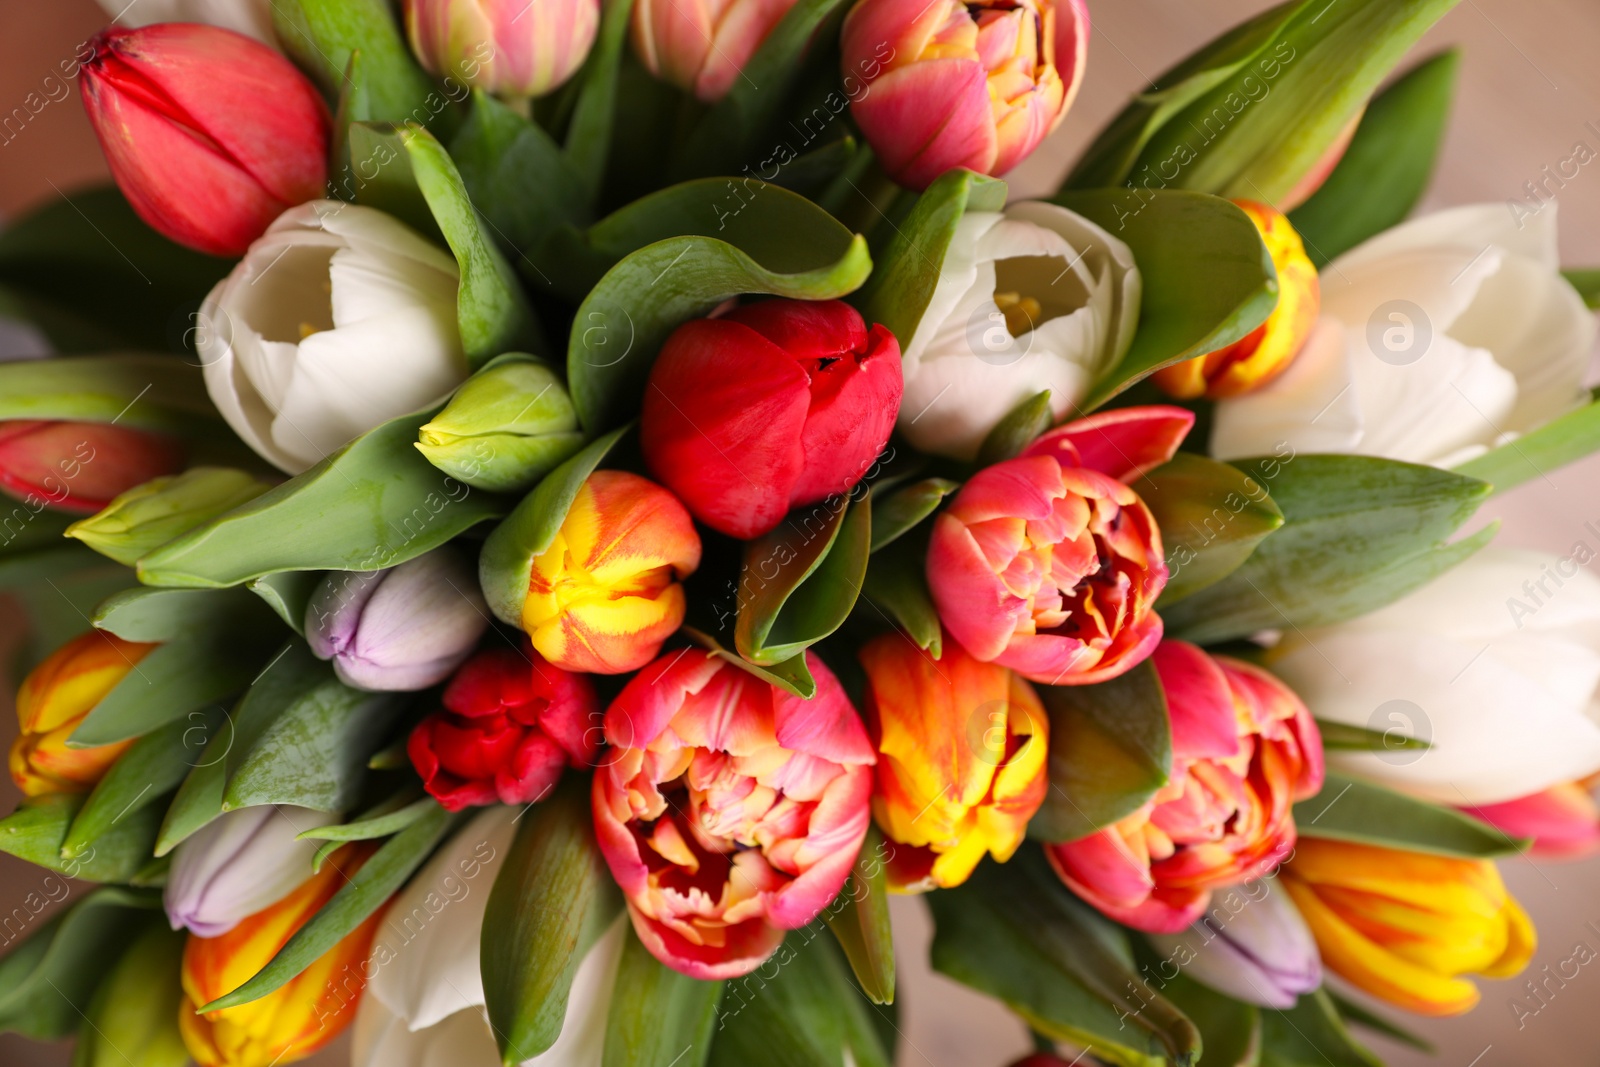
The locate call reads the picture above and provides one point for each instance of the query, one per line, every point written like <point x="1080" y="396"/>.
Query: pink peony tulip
<point x="1244" y="749"/>
<point x="514" y="48"/>
<point x="729" y="811"/>
<point x="1564" y="820"/>
<point x="701" y="46"/>
<point x="951" y="84"/>
<point x="1049" y="563"/>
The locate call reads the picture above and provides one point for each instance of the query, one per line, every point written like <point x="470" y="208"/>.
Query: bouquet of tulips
<point x="543" y="516"/>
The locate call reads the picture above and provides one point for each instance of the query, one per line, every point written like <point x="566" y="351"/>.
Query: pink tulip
<point x="514" y="48"/>
<point x="80" y="466"/>
<point x="951" y="84"/>
<point x="728" y="810"/>
<point x="701" y="46"/>
<point x="1563" y="821"/>
<point x="1049" y="563"/>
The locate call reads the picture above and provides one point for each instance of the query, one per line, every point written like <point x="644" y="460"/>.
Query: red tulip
<point x="210" y="134"/>
<point x="80" y="466"/>
<point x="772" y="406"/>
<point x="512" y="723"/>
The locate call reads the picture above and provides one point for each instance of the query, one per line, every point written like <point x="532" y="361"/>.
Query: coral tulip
<point x="606" y="594"/>
<point x="961" y="759"/>
<point x="1405" y="926"/>
<point x="1244" y="749"/>
<point x="702" y="46"/>
<point x="514" y="48"/>
<point x="210" y="134"/>
<point x="1259" y="357"/>
<point x="80" y="466"/>
<point x="1049" y="563"/>
<point x="1563" y="820"/>
<point x="772" y="406"/>
<point x="962" y="85"/>
<point x="730" y="810"/>
<point x="54" y="699"/>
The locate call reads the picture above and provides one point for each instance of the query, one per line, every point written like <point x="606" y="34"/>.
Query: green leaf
<point x="1340" y="736"/>
<point x="323" y="35"/>
<point x="896" y="587"/>
<point x="657" y="1016"/>
<point x="506" y="564"/>
<point x="1230" y="1032"/>
<point x="1587" y="282"/>
<point x="288" y="594"/>
<point x="133" y="1017"/>
<point x="859" y="918"/>
<point x="1211" y="516"/>
<point x="1358" y="1015"/>
<point x="143" y="392"/>
<point x="908" y="268"/>
<point x="552" y="899"/>
<point x="1349" y="809"/>
<point x="363" y="893"/>
<point x="792" y="675"/>
<point x="1207" y="277"/>
<point x="1387" y="167"/>
<point x="1017" y="430"/>
<point x="501" y="156"/>
<point x="898" y="512"/>
<point x="56" y="590"/>
<point x="146" y="614"/>
<point x="589" y="136"/>
<point x="38" y="828"/>
<point x="798" y="583"/>
<point x="374" y="503"/>
<point x="1310" y="1034"/>
<point x="1016" y="933"/>
<point x="1533" y="455"/>
<point x="365" y="829"/>
<point x="1110" y="750"/>
<point x="1358" y="533"/>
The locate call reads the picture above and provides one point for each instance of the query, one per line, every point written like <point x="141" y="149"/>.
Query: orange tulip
<point x="1405" y="926"/>
<point x="54" y="698"/>
<point x="297" y="1018"/>
<point x="1249" y="363"/>
<point x="962" y="748"/>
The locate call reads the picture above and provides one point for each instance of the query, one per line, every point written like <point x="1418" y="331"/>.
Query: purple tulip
<point x="1252" y="945"/>
<point x="240" y="862"/>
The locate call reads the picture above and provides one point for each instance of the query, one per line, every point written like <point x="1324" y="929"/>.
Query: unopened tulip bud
<point x="149" y="515"/>
<point x="702" y="46"/>
<point x="211" y="135"/>
<point x="1251" y="944"/>
<point x="508" y="426"/>
<point x="513" y="48"/>
<point x="80" y="466"/>
<point x="237" y="864"/>
<point x="404" y="628"/>
<point x="134" y="1015"/>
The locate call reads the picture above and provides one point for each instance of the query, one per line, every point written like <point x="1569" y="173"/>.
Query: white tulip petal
<point x="1313" y="406"/>
<point x="380" y="1038"/>
<point x="1473" y="227"/>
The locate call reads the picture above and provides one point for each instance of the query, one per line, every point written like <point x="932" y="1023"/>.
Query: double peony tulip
<point x="950" y="84"/>
<point x="513" y="48"/>
<point x="240" y="862"/>
<point x="1405" y="926"/>
<point x="774" y="405"/>
<point x="211" y="135"/>
<point x="1049" y="563"/>
<point x="54" y="699"/>
<point x="511" y="723"/>
<point x="80" y="466"/>
<point x="1252" y="945"/>
<point x="730" y="810"/>
<point x="1244" y="749"/>
<point x="961" y="759"/>
<point x="702" y="46"/>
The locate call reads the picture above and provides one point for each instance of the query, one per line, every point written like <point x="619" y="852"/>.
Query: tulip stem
<point x="861" y="196"/>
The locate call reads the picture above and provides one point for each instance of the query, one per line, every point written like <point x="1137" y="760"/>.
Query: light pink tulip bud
<point x="701" y="46"/>
<point x="514" y="48"/>
<point x="240" y="862"/>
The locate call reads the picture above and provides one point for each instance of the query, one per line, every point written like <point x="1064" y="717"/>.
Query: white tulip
<point x="1496" y="664"/>
<point x="240" y="862"/>
<point x="1438" y="340"/>
<point x="1072" y="291"/>
<point x="339" y="318"/>
<point x="253" y="18"/>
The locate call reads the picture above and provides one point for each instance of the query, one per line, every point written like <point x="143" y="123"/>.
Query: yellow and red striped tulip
<point x="1253" y="361"/>
<point x="961" y="767"/>
<point x="297" y="1018"/>
<point x="54" y="699"/>
<point x="605" y="595"/>
<point x="1406" y="926"/>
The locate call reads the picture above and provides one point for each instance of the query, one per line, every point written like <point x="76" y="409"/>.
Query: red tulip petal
<point x="1123" y="443"/>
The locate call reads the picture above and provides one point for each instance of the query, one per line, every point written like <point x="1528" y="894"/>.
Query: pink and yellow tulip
<point x="1563" y="820"/>
<point x="702" y="46"/>
<point x="513" y="48"/>
<point x="1244" y="749"/>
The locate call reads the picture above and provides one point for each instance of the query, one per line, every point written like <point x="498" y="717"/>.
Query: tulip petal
<point x="1122" y="444"/>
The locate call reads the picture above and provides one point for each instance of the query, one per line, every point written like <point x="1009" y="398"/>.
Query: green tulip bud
<point x="134" y="1014"/>
<point x="508" y="426"/>
<point x="149" y="515"/>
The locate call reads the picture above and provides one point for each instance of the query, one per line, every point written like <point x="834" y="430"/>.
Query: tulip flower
<point x="513" y="48"/>
<point x="961" y="759"/>
<point x="157" y="511"/>
<point x="729" y="810"/>
<point x="404" y="628"/>
<point x="1405" y="926"/>
<point x="240" y="862"/>
<point x="297" y="1018"/>
<point x="133" y="1018"/>
<point x="80" y="466"/>
<point x="55" y="698"/>
<point x="1256" y="359"/>
<point x="1252" y="945"/>
<point x="338" y="319"/>
<point x="253" y="18"/>
<point x="511" y="723"/>
<point x="1049" y="563"/>
<point x="1438" y="339"/>
<point x="1495" y="665"/>
<point x="507" y="427"/>
<point x="950" y="84"/>
<point x="702" y="46"/>
<point x="1563" y="820"/>
<point x="605" y="595"/>
<point x="775" y="405"/>
<point x="1036" y="298"/>
<point x="211" y="135"/>
<point x="1244" y="749"/>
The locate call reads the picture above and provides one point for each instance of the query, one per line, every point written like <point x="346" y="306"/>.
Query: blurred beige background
<point x="1529" y="85"/>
